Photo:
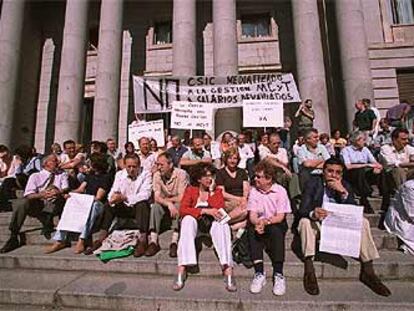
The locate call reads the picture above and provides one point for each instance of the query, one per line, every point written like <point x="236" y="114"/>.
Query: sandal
<point x="230" y="284"/>
<point x="179" y="281"/>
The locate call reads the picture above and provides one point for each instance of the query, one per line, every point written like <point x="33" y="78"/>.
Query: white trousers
<point x="220" y="235"/>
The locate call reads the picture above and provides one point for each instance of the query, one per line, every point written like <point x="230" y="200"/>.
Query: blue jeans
<point x="96" y="210"/>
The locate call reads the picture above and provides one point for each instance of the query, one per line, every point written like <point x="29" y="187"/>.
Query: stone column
<point x="225" y="58"/>
<point x="11" y="25"/>
<point x="356" y="71"/>
<point x="309" y="60"/>
<point x="72" y="71"/>
<point x="108" y="76"/>
<point x="184" y="38"/>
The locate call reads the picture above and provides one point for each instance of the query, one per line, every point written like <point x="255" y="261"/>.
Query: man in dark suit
<point x="331" y="188"/>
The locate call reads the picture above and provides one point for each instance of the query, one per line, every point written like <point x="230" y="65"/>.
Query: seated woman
<point x="399" y="219"/>
<point x="268" y="204"/>
<point x="234" y="183"/>
<point x="97" y="183"/>
<point x="199" y="204"/>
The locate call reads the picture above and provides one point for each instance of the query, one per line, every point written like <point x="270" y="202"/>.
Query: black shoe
<point x="47" y="232"/>
<point x="10" y="245"/>
<point x="367" y="206"/>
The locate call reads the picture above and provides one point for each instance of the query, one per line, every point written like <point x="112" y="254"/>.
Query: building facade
<point x="66" y="66"/>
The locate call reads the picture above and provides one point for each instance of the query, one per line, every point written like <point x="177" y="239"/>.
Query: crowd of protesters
<point x="197" y="182"/>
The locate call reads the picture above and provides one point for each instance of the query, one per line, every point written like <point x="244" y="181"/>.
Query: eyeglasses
<point x="259" y="176"/>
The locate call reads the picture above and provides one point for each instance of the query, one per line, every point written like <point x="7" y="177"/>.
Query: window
<point x="255" y="26"/>
<point x="402" y="11"/>
<point x="163" y="33"/>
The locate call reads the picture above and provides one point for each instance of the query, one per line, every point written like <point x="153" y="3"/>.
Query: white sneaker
<point x="258" y="282"/>
<point x="279" y="285"/>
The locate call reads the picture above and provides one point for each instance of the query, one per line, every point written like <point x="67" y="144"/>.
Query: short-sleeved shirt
<point x="190" y="155"/>
<point x="320" y="153"/>
<point x="96" y="181"/>
<point x="40" y="181"/>
<point x="231" y="185"/>
<point x="281" y="154"/>
<point x="172" y="187"/>
<point x="268" y="204"/>
<point x="392" y="158"/>
<point x="363" y="119"/>
<point x="352" y="155"/>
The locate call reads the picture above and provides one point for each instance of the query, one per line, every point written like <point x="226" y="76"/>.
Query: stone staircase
<point x="31" y="280"/>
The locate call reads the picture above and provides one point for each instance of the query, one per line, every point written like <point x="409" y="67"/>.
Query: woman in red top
<point x="198" y="203"/>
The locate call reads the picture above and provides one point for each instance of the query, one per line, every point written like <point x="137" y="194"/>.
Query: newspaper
<point x="341" y="229"/>
<point x="76" y="212"/>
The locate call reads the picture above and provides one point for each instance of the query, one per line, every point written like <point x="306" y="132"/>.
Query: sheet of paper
<point x="341" y="229"/>
<point x="76" y="212"/>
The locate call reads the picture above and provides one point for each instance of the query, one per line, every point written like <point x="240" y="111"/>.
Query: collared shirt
<point x="191" y="155"/>
<point x="246" y="153"/>
<point x="148" y="161"/>
<point x="353" y="155"/>
<point x="176" y="154"/>
<point x="281" y="154"/>
<point x="320" y="153"/>
<point x="34" y="165"/>
<point x="40" y="181"/>
<point x="383" y="137"/>
<point x="135" y="190"/>
<point x="390" y="157"/>
<point x="172" y="187"/>
<point x="268" y="204"/>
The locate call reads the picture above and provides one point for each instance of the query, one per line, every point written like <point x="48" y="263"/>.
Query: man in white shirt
<point x="398" y="160"/>
<point x="146" y="156"/>
<point x="43" y="198"/>
<point x="246" y="155"/>
<point x="129" y="198"/>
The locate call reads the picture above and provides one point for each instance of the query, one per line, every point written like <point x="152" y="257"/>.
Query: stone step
<point x="33" y="223"/>
<point x="391" y="265"/>
<point x="382" y="239"/>
<point x="109" y="291"/>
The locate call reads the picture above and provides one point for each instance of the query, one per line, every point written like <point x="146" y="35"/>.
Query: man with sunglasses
<point x="332" y="188"/>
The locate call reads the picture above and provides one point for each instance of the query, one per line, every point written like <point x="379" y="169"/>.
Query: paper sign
<point x="76" y="212"/>
<point x="151" y="129"/>
<point x="192" y="116"/>
<point x="341" y="229"/>
<point x="259" y="113"/>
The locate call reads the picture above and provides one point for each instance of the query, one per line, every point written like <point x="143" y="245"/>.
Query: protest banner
<point x="156" y="94"/>
<point x="151" y="129"/>
<point x="258" y="113"/>
<point x="191" y="116"/>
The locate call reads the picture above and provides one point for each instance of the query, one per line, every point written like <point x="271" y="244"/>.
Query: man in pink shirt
<point x="267" y="205"/>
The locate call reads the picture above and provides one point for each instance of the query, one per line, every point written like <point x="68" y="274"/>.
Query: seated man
<point x="361" y="167"/>
<point x="43" y="199"/>
<point x="128" y="198"/>
<point x="146" y="156"/>
<point x="311" y="157"/>
<point x="196" y="155"/>
<point x="398" y="160"/>
<point x="169" y="183"/>
<point x="177" y="150"/>
<point x="333" y="189"/>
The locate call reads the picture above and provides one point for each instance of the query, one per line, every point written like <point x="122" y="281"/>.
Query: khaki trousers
<point x="309" y="231"/>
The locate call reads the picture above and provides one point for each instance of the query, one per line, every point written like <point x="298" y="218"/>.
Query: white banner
<point x="76" y="212"/>
<point x="156" y="94"/>
<point x="150" y="129"/>
<point x="258" y="113"/>
<point x="192" y="116"/>
<point x="341" y="229"/>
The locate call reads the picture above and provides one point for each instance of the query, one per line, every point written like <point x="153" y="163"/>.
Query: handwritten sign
<point x="150" y="129"/>
<point x="258" y="113"/>
<point x="191" y="116"/>
<point x="156" y="94"/>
